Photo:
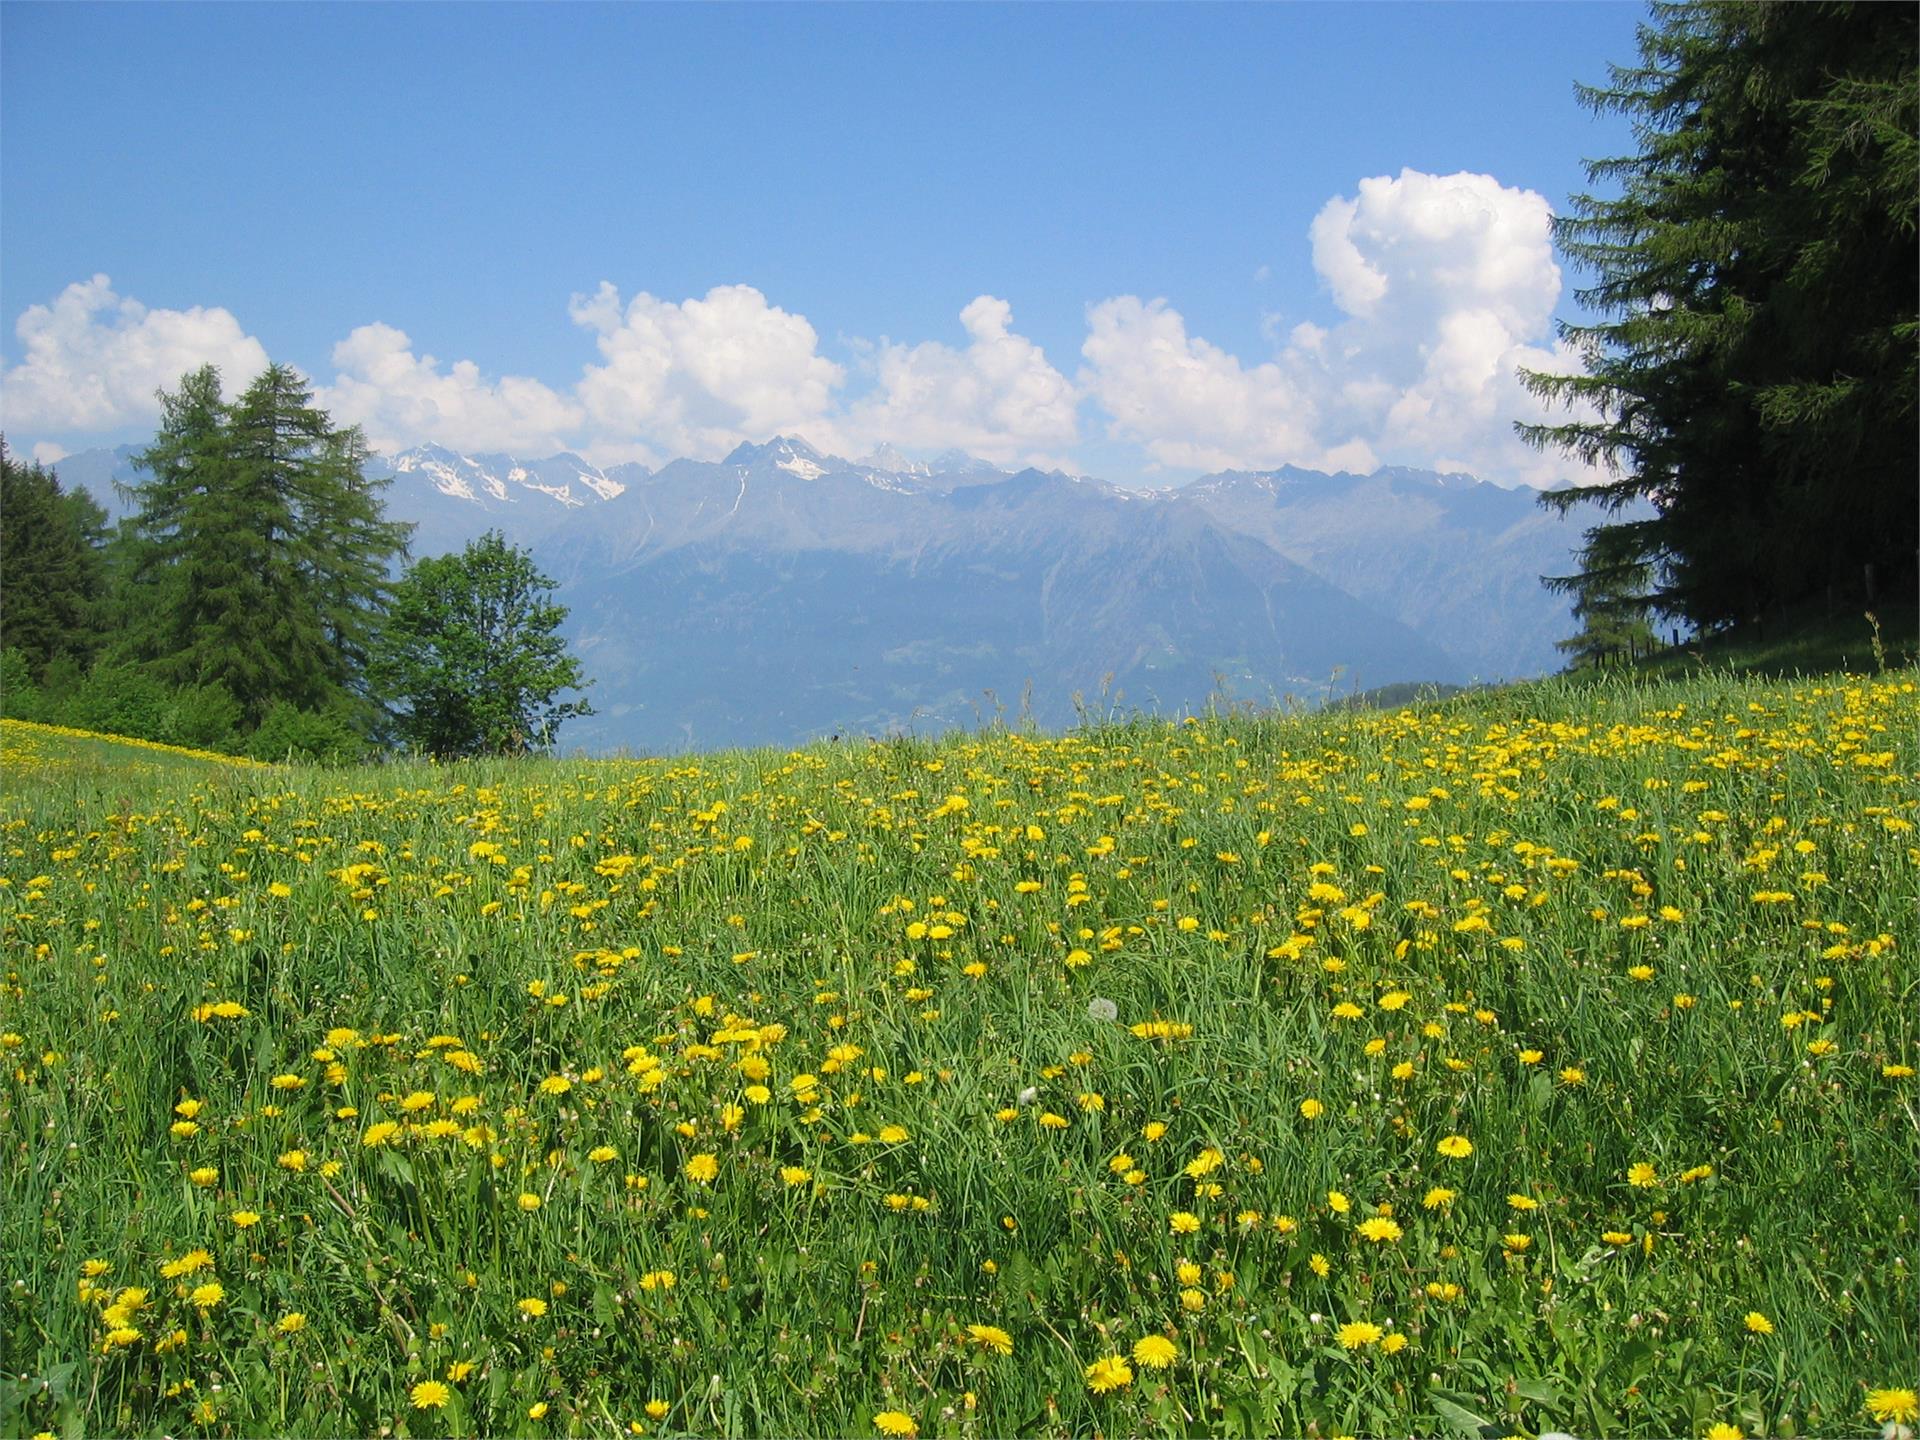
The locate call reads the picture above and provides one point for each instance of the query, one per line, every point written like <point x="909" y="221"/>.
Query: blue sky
<point x="1136" y="209"/>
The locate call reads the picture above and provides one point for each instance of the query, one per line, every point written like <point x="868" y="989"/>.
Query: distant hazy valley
<point x="781" y="594"/>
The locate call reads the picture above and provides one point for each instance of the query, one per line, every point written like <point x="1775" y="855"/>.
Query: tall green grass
<point x="1695" y="902"/>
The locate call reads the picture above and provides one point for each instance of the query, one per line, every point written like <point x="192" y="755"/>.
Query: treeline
<point x="254" y="601"/>
<point x="1751" y="384"/>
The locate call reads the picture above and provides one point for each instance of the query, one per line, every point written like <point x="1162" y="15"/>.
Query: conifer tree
<point x="52" y="570"/>
<point x="1753" y="368"/>
<point x="261" y="550"/>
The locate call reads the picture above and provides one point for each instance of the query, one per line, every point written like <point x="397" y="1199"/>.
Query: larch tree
<point x="260" y="552"/>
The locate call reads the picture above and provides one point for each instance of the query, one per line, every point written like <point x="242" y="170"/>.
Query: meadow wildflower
<point x="993" y="1338"/>
<point x="1155" y="1352"/>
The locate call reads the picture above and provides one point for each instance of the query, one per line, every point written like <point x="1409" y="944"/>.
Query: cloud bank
<point x="1447" y="285"/>
<point x="1444" y="287"/>
<point x="94" y="359"/>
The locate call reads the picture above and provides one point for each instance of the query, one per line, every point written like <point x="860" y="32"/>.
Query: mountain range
<point x="782" y="594"/>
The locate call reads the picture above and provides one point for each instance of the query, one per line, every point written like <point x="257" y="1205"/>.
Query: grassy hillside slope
<point x="1542" y="1059"/>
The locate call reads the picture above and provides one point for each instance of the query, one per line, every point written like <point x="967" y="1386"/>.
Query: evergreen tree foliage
<point x="471" y="654"/>
<point x="52" y="569"/>
<point x="260" y="553"/>
<point x="1753" y="371"/>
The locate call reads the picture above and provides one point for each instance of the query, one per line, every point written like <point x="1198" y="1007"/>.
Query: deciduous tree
<point x="472" y="657"/>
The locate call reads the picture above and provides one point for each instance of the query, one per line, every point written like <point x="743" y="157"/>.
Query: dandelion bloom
<point x="1758" y="1323"/>
<point x="895" y="1422"/>
<point x="1183" y="1222"/>
<point x="1380" y="1230"/>
<point x="1109" y="1372"/>
<point x="1896" y="1407"/>
<point x="795" y="1174"/>
<point x="1156" y="1352"/>
<point x="1438" y="1198"/>
<point x="187" y="1264"/>
<point x="892" y="1134"/>
<point x="1522" y="1202"/>
<point x="245" y="1219"/>
<point x="1311" y="1109"/>
<point x="1721" y="1430"/>
<point x="207" y="1296"/>
<point x="1641" y="1176"/>
<point x="1358" y="1333"/>
<point x="292" y="1323"/>
<point x="529" y="1202"/>
<point x="703" y="1167"/>
<point x="993" y="1337"/>
<point x="533" y="1309"/>
<point x="429" y="1395"/>
<point x="1455" y="1147"/>
<point x="1394" y="1344"/>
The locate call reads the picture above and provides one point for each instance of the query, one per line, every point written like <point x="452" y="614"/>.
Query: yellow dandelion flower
<point x="1155" y="1352"/>
<point x="1893" y="1407"/>
<point x="993" y="1338"/>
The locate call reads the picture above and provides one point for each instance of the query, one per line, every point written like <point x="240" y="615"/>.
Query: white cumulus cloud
<point x="1448" y="285"/>
<point x="1187" y="401"/>
<point x="93" y="359"/>
<point x="998" y="398"/>
<point x="697" y="377"/>
<point x="401" y="398"/>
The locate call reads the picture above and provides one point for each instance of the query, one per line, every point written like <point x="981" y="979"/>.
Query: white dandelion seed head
<point x="1029" y="1095"/>
<point x="1102" y="1009"/>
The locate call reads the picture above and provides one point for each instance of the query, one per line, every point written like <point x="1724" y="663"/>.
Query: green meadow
<point x="1538" y="1060"/>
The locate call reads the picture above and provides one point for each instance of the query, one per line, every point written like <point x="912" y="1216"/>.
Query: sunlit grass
<point x="1367" y="1074"/>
